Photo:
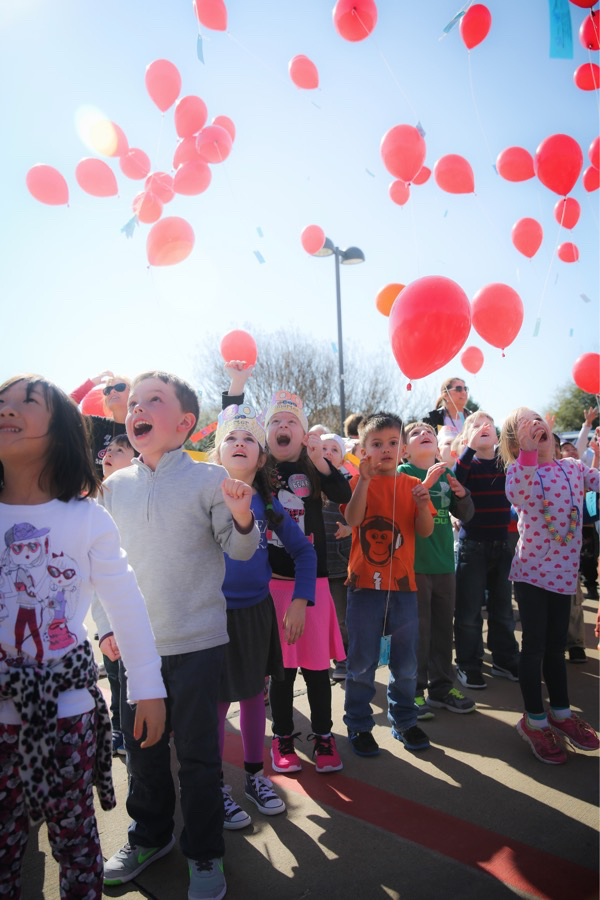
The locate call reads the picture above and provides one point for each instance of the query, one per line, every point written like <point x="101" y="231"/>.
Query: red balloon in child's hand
<point x="239" y="345"/>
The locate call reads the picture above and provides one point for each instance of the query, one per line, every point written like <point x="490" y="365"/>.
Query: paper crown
<point x="244" y="418"/>
<point x="283" y="401"/>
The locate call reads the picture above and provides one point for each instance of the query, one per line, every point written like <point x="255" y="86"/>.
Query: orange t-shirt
<point x="383" y="545"/>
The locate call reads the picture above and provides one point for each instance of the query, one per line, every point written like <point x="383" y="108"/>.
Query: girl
<point x="254" y="649"/>
<point x="548" y="496"/>
<point x="55" y="738"/>
<point x="104" y="428"/>
<point x="302" y="474"/>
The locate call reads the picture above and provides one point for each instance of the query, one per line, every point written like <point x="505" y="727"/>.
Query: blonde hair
<point x="413" y="425"/>
<point x="471" y="420"/>
<point x="509" y="442"/>
<point x="457" y="444"/>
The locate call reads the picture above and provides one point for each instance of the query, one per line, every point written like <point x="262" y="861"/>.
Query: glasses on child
<point x="460" y="388"/>
<point x="120" y="387"/>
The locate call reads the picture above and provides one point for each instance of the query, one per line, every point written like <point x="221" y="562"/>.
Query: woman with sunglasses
<point x="103" y="429"/>
<point x="450" y="406"/>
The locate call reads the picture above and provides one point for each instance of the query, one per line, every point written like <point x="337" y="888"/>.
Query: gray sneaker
<point x="259" y="789"/>
<point x="207" y="881"/>
<point x="130" y="860"/>
<point x="454" y="701"/>
<point x="235" y="816"/>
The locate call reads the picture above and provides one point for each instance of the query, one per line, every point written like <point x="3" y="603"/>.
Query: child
<point x="434" y="573"/>
<point x="119" y="454"/>
<point x="484" y="559"/>
<point x="385" y="511"/>
<point x="59" y="547"/>
<point x="104" y="428"/>
<point x="548" y="495"/>
<point x="254" y="649"/>
<point x="176" y="517"/>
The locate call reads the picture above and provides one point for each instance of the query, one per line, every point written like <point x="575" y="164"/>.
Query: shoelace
<point x="228" y="801"/>
<point x="286" y="744"/>
<point x="263" y="786"/>
<point x="454" y="693"/>
<point x="204" y="866"/>
<point x="323" y="745"/>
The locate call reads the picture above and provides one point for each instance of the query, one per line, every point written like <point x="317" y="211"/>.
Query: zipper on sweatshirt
<point x="150" y="496"/>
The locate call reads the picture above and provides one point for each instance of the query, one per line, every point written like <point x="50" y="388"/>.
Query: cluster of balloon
<point x="354" y="20"/>
<point x="497" y="312"/>
<point x="429" y="322"/>
<point x="312" y="239"/>
<point x="212" y="14"/>
<point x="586" y="373"/>
<point x="386" y="297"/>
<point x="527" y="236"/>
<point x="475" y="25"/>
<point x="304" y="73"/>
<point x="472" y="359"/>
<point x="559" y="160"/>
<point x="239" y="345"/>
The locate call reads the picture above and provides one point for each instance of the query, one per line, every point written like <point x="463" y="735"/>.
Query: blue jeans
<point x="365" y="617"/>
<point x="484" y="565"/>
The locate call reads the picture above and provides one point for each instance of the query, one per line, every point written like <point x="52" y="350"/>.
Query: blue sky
<point x="78" y="296"/>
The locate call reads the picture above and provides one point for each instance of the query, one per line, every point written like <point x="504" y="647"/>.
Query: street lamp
<point x="349" y="257"/>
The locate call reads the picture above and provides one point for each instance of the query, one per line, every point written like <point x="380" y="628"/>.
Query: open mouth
<point x="283" y="440"/>
<point x="9" y="429"/>
<point x="141" y="428"/>
<point x="239" y="455"/>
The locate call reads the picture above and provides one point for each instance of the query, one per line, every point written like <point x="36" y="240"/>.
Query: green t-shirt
<point x="434" y="555"/>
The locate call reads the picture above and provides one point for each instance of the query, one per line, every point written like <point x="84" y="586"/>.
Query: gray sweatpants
<point x="435" y="598"/>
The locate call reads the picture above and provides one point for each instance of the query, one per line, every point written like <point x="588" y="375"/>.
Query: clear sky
<point x="77" y="296"/>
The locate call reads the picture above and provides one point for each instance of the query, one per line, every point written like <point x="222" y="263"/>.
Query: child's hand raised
<point x="456" y="487"/>
<point x="238" y="497"/>
<point x="239" y="375"/>
<point x="434" y="473"/>
<point x="485" y="429"/>
<point x="421" y="495"/>
<point x="314" y="447"/>
<point x="367" y="469"/>
<point x="531" y="432"/>
<point x="152" y="714"/>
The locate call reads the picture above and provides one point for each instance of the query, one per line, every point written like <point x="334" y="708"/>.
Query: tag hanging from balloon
<point x="385" y="646"/>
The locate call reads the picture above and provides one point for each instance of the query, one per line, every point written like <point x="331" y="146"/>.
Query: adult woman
<point x="104" y="428"/>
<point x="450" y="406"/>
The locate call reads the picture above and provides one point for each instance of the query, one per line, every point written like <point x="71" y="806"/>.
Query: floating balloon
<point x="212" y="14"/>
<point x="472" y="359"/>
<point x="588" y="31"/>
<point x="386" y="297"/>
<point x="303" y="73"/>
<point x="147" y="207"/>
<point x="515" y="164"/>
<point x="239" y="345"/>
<point x="399" y="192"/>
<point x="135" y="164"/>
<point x="454" y="174"/>
<point x="594" y="153"/>
<point x="354" y="20"/>
<point x="497" y="314"/>
<point x="527" y="236"/>
<point x="118" y="142"/>
<point x="95" y="177"/>
<point x="475" y="25"/>
<point x="163" y="83"/>
<point x="422" y="175"/>
<point x="586" y="373"/>
<point x="169" y="242"/>
<point x="313" y="239"/>
<point x="584" y="4"/>
<point x="403" y="152"/>
<point x="567" y="211"/>
<point x="192" y="178"/>
<point x="213" y="144"/>
<point x="93" y="402"/>
<point x="587" y="77"/>
<point x="558" y="163"/>
<point x="429" y="323"/>
<point x="568" y="252"/>
<point x="185" y="152"/>
<point x="161" y="185"/>
<point x="190" y="115"/>
<point x="226" y="123"/>
<point x="46" y="184"/>
<point x="591" y="179"/>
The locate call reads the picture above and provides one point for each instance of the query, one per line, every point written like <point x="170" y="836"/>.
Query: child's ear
<point x="363" y="452"/>
<point x="187" y="422"/>
<point x="263" y="456"/>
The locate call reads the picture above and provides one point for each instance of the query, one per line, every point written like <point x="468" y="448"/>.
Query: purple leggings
<point x="252" y="726"/>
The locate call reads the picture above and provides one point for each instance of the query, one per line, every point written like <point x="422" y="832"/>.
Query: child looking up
<point x="119" y="454"/>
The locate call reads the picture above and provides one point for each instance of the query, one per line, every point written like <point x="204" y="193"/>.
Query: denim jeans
<point x="192" y="682"/>
<point x="484" y="565"/>
<point x="365" y="617"/>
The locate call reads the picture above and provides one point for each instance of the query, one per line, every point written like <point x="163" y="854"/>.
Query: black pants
<point x="281" y="696"/>
<point x="545" y="623"/>
<point x="112" y="673"/>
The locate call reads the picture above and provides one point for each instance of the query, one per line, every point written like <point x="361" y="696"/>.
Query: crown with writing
<point x="283" y="401"/>
<point x="244" y="418"/>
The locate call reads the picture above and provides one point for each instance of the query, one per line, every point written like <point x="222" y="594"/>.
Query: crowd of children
<point x="288" y="549"/>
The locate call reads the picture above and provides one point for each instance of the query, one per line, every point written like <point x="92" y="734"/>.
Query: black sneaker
<point x="363" y="743"/>
<point x="471" y="678"/>
<point x="577" y="655"/>
<point x="414" y="738"/>
<point x="509" y="672"/>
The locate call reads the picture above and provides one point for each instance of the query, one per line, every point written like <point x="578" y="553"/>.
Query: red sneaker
<point x="576" y="730"/>
<point x="545" y="744"/>
<point x="283" y="756"/>
<point x="325" y="754"/>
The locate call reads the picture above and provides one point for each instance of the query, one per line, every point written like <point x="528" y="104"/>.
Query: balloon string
<point x="489" y="219"/>
<point x="414" y="238"/>
<point x="477" y="115"/>
<point x="546" y="280"/>
<point x="593" y="71"/>
<point x="390" y="70"/>
<point x="592" y="207"/>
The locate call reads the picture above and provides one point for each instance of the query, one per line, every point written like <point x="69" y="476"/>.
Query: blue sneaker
<point x="130" y="860"/>
<point x="118" y="743"/>
<point x="207" y="881"/>
<point x="413" y="738"/>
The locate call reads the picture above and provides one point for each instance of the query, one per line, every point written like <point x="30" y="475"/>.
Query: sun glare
<point x="95" y="130"/>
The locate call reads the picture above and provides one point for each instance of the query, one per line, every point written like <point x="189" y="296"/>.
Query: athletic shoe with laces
<point x="283" y="755"/>
<point x="363" y="743"/>
<point x="118" y="743"/>
<point x="207" y="880"/>
<point x="413" y="738"/>
<point x="423" y="710"/>
<point x="547" y="746"/>
<point x="453" y="701"/>
<point x="235" y="816"/>
<point x="130" y="860"/>
<point x="471" y="678"/>
<point x="259" y="789"/>
<point x="325" y="754"/>
<point x="576" y="730"/>
<point x="509" y="672"/>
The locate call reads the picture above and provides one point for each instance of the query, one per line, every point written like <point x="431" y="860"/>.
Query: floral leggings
<point x="72" y="830"/>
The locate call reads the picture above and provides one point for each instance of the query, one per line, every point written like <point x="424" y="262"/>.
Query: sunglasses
<point x="120" y="387"/>
<point x="459" y="388"/>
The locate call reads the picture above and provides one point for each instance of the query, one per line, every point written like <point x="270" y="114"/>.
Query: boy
<point x="119" y="454"/>
<point x="434" y="573"/>
<point x="175" y="519"/>
<point x="484" y="560"/>
<point x="385" y="511"/>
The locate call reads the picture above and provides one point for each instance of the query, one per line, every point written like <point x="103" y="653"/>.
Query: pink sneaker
<point x="546" y="745"/>
<point x="283" y="756"/>
<point x="325" y="754"/>
<point x="576" y="730"/>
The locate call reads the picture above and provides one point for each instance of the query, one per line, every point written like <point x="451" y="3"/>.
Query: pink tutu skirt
<point x="322" y="640"/>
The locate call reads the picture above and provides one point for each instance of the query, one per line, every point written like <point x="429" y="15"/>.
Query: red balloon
<point x="313" y="238"/>
<point x="422" y="175"/>
<point x="46" y="184"/>
<point x="588" y="31"/>
<point x="239" y="345"/>
<point x="169" y="242"/>
<point x="584" y="4"/>
<point x="161" y="185"/>
<point x="399" y="192"/>
<point x="475" y="25"/>
<point x="354" y="20"/>
<point x="558" y="162"/>
<point x="472" y="359"/>
<point x="303" y="73"/>
<point x="212" y="14"/>
<point x="587" y="77"/>
<point x="568" y="252"/>
<point x="190" y="116"/>
<point x="567" y="211"/>
<point x="429" y="323"/>
<point x="454" y="174"/>
<point x="586" y="373"/>
<point x="591" y="179"/>
<point x="594" y="153"/>
<point x="515" y="164"/>
<point x="192" y="178"/>
<point x="163" y="83"/>
<point x="527" y="236"/>
<point x="226" y="123"/>
<point x="213" y="144"/>
<point x="386" y="298"/>
<point x="403" y="152"/>
<point x="93" y="403"/>
<point x="497" y="314"/>
<point x="95" y="177"/>
<point x="147" y="207"/>
<point x="121" y="144"/>
<point x="135" y="164"/>
<point x="185" y="152"/>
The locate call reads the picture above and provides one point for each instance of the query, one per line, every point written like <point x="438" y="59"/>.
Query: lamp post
<point x="348" y="257"/>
